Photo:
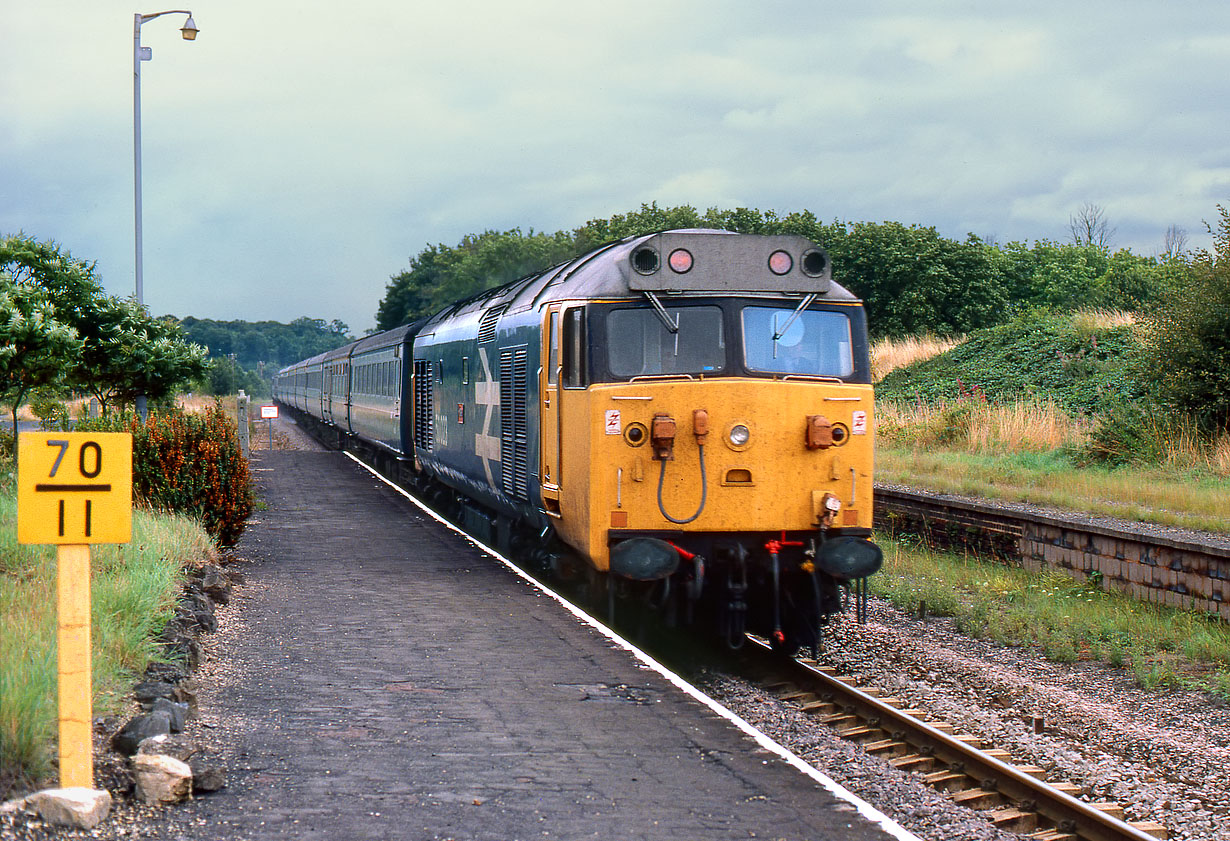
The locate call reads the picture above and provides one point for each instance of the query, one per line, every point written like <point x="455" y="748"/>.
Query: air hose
<point x="703" y="491"/>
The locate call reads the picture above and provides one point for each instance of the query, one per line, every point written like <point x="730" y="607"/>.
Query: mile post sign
<point x="74" y="489"/>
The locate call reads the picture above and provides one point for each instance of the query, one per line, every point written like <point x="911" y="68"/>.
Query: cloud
<point x="296" y="155"/>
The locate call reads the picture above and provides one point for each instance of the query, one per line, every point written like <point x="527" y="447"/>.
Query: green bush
<point x="52" y="414"/>
<point x="1133" y="434"/>
<point x="189" y="464"/>
<point x="1037" y="354"/>
<point x="1190" y="363"/>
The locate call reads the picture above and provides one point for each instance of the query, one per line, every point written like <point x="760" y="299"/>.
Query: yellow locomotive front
<point x="711" y="436"/>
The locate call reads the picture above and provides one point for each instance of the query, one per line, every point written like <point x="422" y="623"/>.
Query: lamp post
<point x="140" y="54"/>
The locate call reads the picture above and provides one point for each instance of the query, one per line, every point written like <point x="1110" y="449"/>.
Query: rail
<point x="883" y="726"/>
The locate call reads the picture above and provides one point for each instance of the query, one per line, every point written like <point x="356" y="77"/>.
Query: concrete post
<point x="241" y="421"/>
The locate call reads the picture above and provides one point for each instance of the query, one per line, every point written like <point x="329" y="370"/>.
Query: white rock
<point x="161" y="779"/>
<point x="79" y="807"/>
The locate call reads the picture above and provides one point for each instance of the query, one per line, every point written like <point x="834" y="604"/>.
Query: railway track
<point x="1015" y="798"/>
<point x="1177" y="568"/>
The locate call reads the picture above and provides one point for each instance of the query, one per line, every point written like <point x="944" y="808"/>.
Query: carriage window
<point x="465" y="370"/>
<point x="816" y="343"/>
<point x="642" y="346"/>
<point x="574" y="348"/>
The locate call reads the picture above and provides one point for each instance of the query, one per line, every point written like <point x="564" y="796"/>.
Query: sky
<point x="296" y="156"/>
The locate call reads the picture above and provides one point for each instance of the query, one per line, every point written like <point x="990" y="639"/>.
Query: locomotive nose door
<point x="549" y="388"/>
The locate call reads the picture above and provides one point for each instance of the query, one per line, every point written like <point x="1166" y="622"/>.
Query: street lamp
<point x="140" y="54"/>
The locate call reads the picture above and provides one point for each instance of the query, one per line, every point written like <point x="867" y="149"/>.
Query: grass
<point x="134" y="587"/>
<point x="1066" y="621"/>
<point x="1029" y="452"/>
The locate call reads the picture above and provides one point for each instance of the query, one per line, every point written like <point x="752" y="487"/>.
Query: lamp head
<point x="189" y="29"/>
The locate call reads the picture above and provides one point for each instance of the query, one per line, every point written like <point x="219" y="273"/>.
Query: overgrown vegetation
<point x="1038" y="355"/>
<point x="189" y="464"/>
<point x="1066" y="620"/>
<point x="1189" y="366"/>
<point x="193" y="490"/>
<point x="955" y="423"/>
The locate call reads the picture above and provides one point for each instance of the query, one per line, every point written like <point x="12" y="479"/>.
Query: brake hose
<point x="703" y="491"/>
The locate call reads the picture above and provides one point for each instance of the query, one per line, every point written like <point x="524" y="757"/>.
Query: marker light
<point x="680" y="260"/>
<point x="739" y="435"/>
<point x="780" y="262"/>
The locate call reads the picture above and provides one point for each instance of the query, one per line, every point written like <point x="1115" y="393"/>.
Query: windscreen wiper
<point x="789" y="321"/>
<point x="671" y="326"/>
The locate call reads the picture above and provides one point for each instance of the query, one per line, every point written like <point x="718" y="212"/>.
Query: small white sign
<point x="859" y="423"/>
<point x="613" y="426"/>
<point x="269" y="412"/>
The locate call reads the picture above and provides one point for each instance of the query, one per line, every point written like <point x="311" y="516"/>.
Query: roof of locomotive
<point x="723" y="263"/>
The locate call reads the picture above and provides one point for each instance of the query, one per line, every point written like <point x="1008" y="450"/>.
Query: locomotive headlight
<point x="740" y="435"/>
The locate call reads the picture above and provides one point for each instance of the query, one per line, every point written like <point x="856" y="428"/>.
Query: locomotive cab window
<point x="812" y="342"/>
<point x="642" y="344"/>
<point x="553" y="348"/>
<point x="574" y="348"/>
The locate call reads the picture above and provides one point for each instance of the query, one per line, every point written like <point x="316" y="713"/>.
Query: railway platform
<point x="379" y="677"/>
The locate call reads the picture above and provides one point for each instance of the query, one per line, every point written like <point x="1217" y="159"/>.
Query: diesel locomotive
<point x="685" y="417"/>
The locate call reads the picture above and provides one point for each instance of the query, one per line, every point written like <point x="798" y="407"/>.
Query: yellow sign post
<point x="74" y="489"/>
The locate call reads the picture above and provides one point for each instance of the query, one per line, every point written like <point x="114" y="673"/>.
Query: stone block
<point x="160" y="778"/>
<point x="139" y="729"/>
<point x="79" y="807"/>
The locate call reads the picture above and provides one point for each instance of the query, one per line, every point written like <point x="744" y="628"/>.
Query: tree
<point x="266" y="343"/>
<point x="914" y="281"/>
<point x="1190" y="364"/>
<point x="39" y="286"/>
<point x="441" y="275"/>
<point x="1089" y="227"/>
<point x="115" y="350"/>
<point x="128" y="353"/>
<point x="1175" y="242"/>
<point x="35" y="348"/>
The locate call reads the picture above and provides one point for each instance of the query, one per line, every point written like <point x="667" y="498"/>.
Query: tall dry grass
<point x="1095" y="319"/>
<point x="975" y="426"/>
<point x="890" y="354"/>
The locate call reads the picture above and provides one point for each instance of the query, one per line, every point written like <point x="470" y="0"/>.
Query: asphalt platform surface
<point x="378" y="677"/>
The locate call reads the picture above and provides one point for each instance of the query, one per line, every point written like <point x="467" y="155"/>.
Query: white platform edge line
<point x="765" y="741"/>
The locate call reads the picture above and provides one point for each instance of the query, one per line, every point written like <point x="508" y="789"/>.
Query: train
<point x="682" y="419"/>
